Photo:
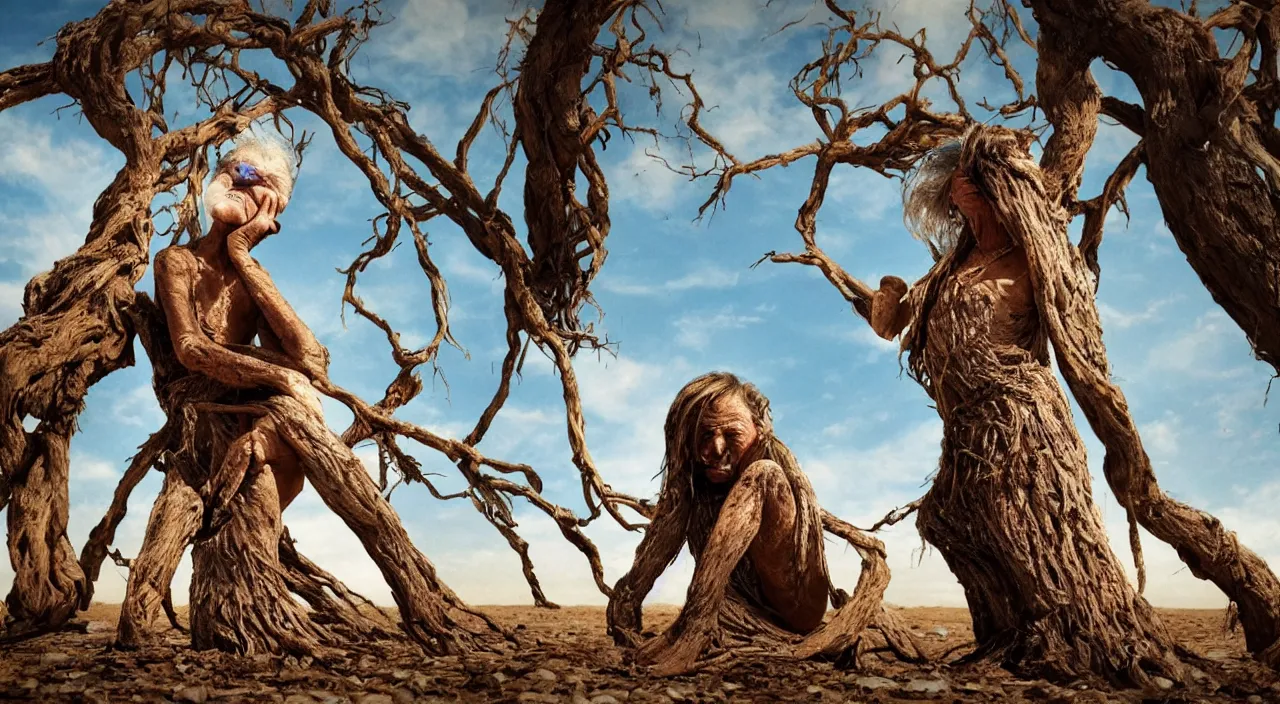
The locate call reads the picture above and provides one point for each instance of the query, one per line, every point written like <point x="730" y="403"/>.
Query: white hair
<point x="270" y="154"/>
<point x="927" y="210"/>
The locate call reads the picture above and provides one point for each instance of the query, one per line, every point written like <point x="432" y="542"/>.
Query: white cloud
<point x="10" y="302"/>
<point x="1196" y="352"/>
<point x="447" y="37"/>
<point x="66" y="173"/>
<point x="645" y="181"/>
<point x="1114" y="318"/>
<point x="695" y="330"/>
<point x="707" y="277"/>
<point x="138" y="407"/>
<point x="89" y="468"/>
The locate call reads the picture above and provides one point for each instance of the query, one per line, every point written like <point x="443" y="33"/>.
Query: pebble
<point x="1163" y="682"/>
<point x="538" y="698"/>
<point x="545" y="675"/>
<point x="813" y="689"/>
<point x="1254" y="699"/>
<point x="730" y="686"/>
<point x="940" y="631"/>
<point x="54" y="658"/>
<point x="604" y="699"/>
<point x="403" y="696"/>
<point x="874" y="683"/>
<point x="919" y="686"/>
<point x="299" y="699"/>
<point x="375" y="699"/>
<point x="195" y="695"/>
<point x="675" y="694"/>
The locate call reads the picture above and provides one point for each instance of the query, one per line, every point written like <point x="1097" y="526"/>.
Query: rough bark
<point x="74" y="330"/>
<point x="1209" y="139"/>
<point x="175" y="518"/>
<point x="48" y="581"/>
<point x="240" y="598"/>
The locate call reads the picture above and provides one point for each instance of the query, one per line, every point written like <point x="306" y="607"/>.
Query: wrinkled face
<point x="236" y="192"/>
<point x="726" y="434"/>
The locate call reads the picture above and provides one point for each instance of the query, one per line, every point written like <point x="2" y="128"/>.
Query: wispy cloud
<point x="706" y="277"/>
<point x="697" y="330"/>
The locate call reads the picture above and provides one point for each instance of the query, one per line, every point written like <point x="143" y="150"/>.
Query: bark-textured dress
<point x="1010" y="508"/>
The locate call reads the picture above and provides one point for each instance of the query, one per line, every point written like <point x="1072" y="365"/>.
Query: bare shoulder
<point x="175" y="259"/>
<point x="764" y="466"/>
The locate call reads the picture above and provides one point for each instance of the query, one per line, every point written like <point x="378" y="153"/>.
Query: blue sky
<point x="680" y="298"/>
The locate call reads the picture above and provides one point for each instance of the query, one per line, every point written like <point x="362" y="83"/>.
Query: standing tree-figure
<point x="1010" y="507"/>
<point x="1013" y="475"/>
<point x="736" y="495"/>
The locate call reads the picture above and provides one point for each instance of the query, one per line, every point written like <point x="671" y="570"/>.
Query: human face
<point x="236" y="193"/>
<point x="726" y="434"/>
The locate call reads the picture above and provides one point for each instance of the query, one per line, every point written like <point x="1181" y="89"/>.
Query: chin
<point x="232" y="214"/>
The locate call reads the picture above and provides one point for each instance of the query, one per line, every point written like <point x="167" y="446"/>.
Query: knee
<point x="763" y="473"/>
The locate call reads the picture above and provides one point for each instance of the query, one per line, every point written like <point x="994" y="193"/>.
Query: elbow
<point x="191" y="351"/>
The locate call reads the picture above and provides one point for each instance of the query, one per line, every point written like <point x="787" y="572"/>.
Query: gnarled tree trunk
<point x="1210" y="146"/>
<point x="175" y="518"/>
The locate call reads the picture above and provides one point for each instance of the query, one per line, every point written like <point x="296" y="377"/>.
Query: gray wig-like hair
<point x="927" y="210"/>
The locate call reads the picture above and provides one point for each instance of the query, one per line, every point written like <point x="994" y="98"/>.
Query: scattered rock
<point x="939" y="631"/>
<point x="374" y="699"/>
<point x="1254" y="699"/>
<point x="675" y="694"/>
<point x="99" y="627"/>
<point x="929" y="687"/>
<point x="47" y="659"/>
<point x="402" y="674"/>
<point x="195" y="695"/>
<point x="296" y="699"/>
<point x="545" y="675"/>
<point x="813" y="689"/>
<point x="1218" y="655"/>
<point x="730" y="686"/>
<point x="972" y="687"/>
<point x="875" y="683"/>
<point x="538" y="698"/>
<point x="402" y="696"/>
<point x="1163" y="682"/>
<point x="605" y="699"/>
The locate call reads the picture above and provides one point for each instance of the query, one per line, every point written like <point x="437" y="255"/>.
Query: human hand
<point x="892" y="288"/>
<point x="263" y="224"/>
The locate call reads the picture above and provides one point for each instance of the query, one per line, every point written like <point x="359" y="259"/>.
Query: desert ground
<point x="565" y="656"/>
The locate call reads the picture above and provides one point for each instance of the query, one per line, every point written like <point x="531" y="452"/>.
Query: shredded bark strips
<point x="727" y="614"/>
<point x="558" y="76"/>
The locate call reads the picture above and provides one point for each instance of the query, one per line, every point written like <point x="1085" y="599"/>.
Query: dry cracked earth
<point x="566" y="657"/>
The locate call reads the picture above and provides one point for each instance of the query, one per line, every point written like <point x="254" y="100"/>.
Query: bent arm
<point x="658" y="549"/>
<point x="293" y="336"/>
<point x="175" y="275"/>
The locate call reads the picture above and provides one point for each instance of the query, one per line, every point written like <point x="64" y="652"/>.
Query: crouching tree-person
<point x="251" y="430"/>
<point x="737" y="496"/>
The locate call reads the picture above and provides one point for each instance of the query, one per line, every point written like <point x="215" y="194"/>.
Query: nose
<point x="718" y="445"/>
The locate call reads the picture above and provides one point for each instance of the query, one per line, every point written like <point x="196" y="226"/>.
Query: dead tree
<point x="1128" y="641"/>
<point x="79" y="319"/>
<point x="1208" y="132"/>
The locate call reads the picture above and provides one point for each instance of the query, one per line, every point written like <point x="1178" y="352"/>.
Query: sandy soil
<point x="566" y="657"/>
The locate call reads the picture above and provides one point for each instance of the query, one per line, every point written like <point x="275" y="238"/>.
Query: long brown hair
<point x="688" y="492"/>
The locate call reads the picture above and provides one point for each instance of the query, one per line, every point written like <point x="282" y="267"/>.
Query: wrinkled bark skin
<point x="240" y="599"/>
<point x="74" y="329"/>
<point x="175" y="518"/>
<point x="1203" y="148"/>
<point x="48" y="581"/>
<point x="1205" y="142"/>
<point x="753" y="589"/>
